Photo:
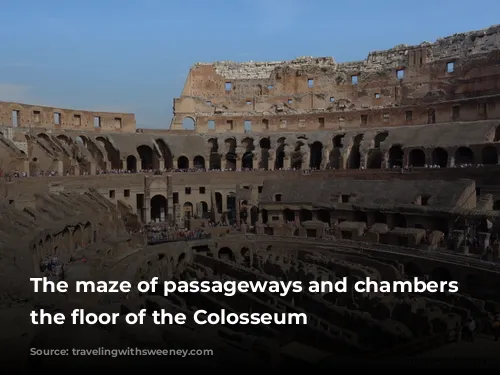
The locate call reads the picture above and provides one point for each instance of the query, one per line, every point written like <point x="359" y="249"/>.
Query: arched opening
<point x="288" y="215"/>
<point x="354" y="160"/>
<point x="230" y="145"/>
<point x="247" y="160"/>
<point x="323" y="215"/>
<point x="497" y="134"/>
<point x="204" y="210"/>
<point x="183" y="162"/>
<point x="214" y="158"/>
<point x="158" y="207"/>
<point x="226" y="253"/>
<point x="131" y="163"/>
<point x="305" y="215"/>
<point x="374" y="159"/>
<point x="441" y="274"/>
<point x="417" y="157"/>
<point x="464" y="155"/>
<point x="112" y="153"/>
<point x="265" y="145"/>
<point x="412" y="270"/>
<point x="439" y="157"/>
<point x="335" y="160"/>
<point x="146" y="155"/>
<point x="296" y="156"/>
<point x="379" y="138"/>
<point x="280" y="154"/>
<point x="316" y="155"/>
<point x="187" y="208"/>
<point x="181" y="258"/>
<point x="399" y="221"/>
<point x="166" y="153"/>
<point x="496" y="205"/>
<point x="231" y="207"/>
<point x="489" y="155"/>
<point x="199" y="162"/>
<point x="265" y="216"/>
<point x="188" y="123"/>
<point x="254" y="215"/>
<point x="218" y="202"/>
<point x="231" y="161"/>
<point x="396" y="156"/>
<point x="380" y="217"/>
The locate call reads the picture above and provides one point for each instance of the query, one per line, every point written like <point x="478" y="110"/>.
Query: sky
<point x="134" y="56"/>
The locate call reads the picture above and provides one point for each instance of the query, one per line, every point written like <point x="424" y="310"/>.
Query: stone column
<point x="451" y="161"/>
<point x="238" y="162"/>
<point x="124" y="164"/>
<point x="170" y="199"/>
<point x="286" y="162"/>
<point x="306" y="160"/>
<point x="161" y="164"/>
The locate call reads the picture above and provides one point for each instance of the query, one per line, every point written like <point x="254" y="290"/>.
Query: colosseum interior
<point x="292" y="170"/>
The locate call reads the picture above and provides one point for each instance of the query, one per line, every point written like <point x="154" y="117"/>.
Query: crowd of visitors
<point x="163" y="232"/>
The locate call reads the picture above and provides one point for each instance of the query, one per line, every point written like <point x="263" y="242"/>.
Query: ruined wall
<point x="33" y="116"/>
<point x="454" y="79"/>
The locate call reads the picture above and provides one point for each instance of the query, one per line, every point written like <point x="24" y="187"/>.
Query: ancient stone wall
<point x="33" y="116"/>
<point x="453" y="79"/>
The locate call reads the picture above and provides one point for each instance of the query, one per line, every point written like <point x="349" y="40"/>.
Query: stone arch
<point x="265" y="146"/>
<point x="187" y="209"/>
<point x="112" y="153"/>
<point x="417" y="157"/>
<point x="230" y="144"/>
<point x="77" y="236"/>
<point x="280" y="153"/>
<point x="354" y="160"/>
<point x="496" y="138"/>
<point x="214" y="158"/>
<point x="225" y="253"/>
<point x="181" y="258"/>
<point x="247" y="160"/>
<point x="65" y="139"/>
<point x="87" y="234"/>
<point x="288" y="215"/>
<point x="245" y="252"/>
<point x="489" y="155"/>
<point x="131" y="163"/>
<point x="199" y="162"/>
<point x="316" y="155"/>
<point x="374" y="159"/>
<point x="464" y="155"/>
<point x="188" y="123"/>
<point x="439" y="157"/>
<point x="441" y="274"/>
<point x="254" y="215"/>
<point x="158" y="207"/>
<point x="379" y="138"/>
<point x="396" y="156"/>
<point x="165" y="152"/>
<point x="218" y="202"/>
<point x="182" y="162"/>
<point x="147" y="157"/>
<point x="204" y="209"/>
<point x="296" y="156"/>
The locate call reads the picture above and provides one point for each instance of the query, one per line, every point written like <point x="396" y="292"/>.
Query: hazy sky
<point x="133" y="56"/>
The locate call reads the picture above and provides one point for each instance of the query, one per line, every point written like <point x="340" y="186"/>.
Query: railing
<point x="176" y="237"/>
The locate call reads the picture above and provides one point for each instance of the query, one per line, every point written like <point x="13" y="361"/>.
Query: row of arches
<point x="64" y="243"/>
<point x="438" y="156"/>
<point x="106" y="155"/>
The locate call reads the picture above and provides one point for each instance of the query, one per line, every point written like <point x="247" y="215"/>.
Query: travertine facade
<point x="454" y="79"/>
